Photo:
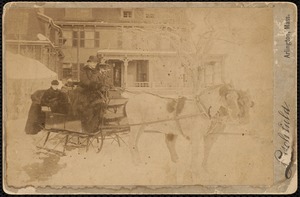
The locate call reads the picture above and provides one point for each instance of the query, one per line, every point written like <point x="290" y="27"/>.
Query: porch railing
<point x="158" y="85"/>
<point x="142" y="84"/>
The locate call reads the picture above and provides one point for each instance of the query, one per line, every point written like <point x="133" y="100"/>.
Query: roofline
<point x="49" y="20"/>
<point x="33" y="42"/>
<point x="108" y="24"/>
<point x="36" y="42"/>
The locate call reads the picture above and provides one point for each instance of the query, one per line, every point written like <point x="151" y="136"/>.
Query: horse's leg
<point x="170" y="140"/>
<point x="210" y="140"/>
<point x="197" y="146"/>
<point x="134" y="134"/>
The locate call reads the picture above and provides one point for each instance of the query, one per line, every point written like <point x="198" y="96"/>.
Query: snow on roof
<point x="21" y="67"/>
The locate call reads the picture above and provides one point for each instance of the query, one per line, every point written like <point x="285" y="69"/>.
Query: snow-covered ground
<point x="234" y="159"/>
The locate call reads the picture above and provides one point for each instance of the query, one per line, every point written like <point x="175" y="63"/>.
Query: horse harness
<point x="179" y="103"/>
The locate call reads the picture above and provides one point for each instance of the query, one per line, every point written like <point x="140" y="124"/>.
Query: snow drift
<point x="23" y="76"/>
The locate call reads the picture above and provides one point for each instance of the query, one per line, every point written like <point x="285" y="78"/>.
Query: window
<point x="89" y="39"/>
<point x="67" y="70"/>
<point x="149" y="15"/>
<point x="82" y="39"/>
<point x="70" y="70"/>
<point x="75" y="39"/>
<point x="86" y="39"/>
<point x="74" y="71"/>
<point x="78" y="38"/>
<point x="142" y="71"/>
<point x="127" y="14"/>
<point x="65" y="39"/>
<point x="97" y="39"/>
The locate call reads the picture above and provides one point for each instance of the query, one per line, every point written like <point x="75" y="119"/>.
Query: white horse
<point x="191" y="118"/>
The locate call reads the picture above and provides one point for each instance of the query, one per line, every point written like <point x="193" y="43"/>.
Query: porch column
<point x="151" y="84"/>
<point x="125" y="72"/>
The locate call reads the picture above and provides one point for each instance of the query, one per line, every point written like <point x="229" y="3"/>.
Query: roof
<point x="50" y="21"/>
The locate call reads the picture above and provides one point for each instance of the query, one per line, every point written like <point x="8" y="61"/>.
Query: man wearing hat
<point x="55" y="99"/>
<point x="89" y="75"/>
<point x="91" y="98"/>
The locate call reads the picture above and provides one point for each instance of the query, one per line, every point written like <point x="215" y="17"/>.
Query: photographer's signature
<point x="285" y="153"/>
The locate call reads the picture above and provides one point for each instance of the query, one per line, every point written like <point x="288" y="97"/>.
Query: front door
<point x="116" y="72"/>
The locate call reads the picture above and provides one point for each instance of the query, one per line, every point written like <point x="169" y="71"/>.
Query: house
<point x="140" y="44"/>
<point x="31" y="34"/>
<point x="146" y="48"/>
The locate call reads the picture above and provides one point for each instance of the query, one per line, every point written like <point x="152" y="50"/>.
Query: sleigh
<point x="62" y="133"/>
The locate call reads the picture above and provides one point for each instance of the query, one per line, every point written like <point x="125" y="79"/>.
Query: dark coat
<point x="90" y="79"/>
<point x="56" y="100"/>
<point x="36" y="118"/>
<point x="88" y="103"/>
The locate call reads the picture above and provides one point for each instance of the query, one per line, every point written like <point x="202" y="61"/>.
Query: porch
<point x="135" y="69"/>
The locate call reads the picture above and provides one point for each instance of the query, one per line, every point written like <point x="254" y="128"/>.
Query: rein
<point x="203" y="110"/>
<point x="151" y="122"/>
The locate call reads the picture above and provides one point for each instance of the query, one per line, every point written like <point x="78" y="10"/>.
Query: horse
<point x="218" y="123"/>
<point x="191" y="117"/>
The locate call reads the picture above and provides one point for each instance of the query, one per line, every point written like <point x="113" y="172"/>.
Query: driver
<point x="93" y="95"/>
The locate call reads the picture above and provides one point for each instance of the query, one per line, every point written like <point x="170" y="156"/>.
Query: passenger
<point x="68" y="86"/>
<point x="55" y="99"/>
<point x="36" y="118"/>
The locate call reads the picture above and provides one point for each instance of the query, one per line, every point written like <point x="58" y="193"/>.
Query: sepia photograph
<point x="149" y="98"/>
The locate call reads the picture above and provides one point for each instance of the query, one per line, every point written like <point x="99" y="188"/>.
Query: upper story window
<point x="78" y="39"/>
<point x="91" y="39"/>
<point x="97" y="39"/>
<point x="66" y="38"/>
<point x="149" y="15"/>
<point x="127" y="14"/>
